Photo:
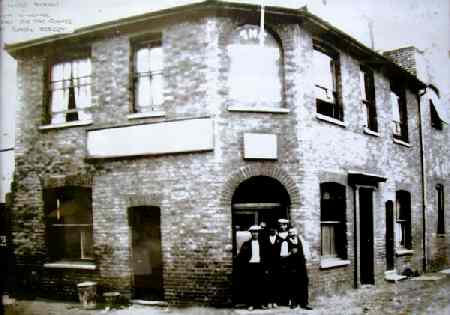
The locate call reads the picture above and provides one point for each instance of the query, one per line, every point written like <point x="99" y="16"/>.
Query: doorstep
<point x="393" y="276"/>
<point x="150" y="303"/>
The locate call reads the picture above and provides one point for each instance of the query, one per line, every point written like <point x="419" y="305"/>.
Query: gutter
<point x="424" y="184"/>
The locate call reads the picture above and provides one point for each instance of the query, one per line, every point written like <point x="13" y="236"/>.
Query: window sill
<point x="328" y="263"/>
<point x="66" y="125"/>
<point x="332" y="120"/>
<point x="258" y="109"/>
<point x="71" y="265"/>
<point x="367" y="131"/>
<point x="401" y="142"/>
<point x="156" y="113"/>
<point x="404" y="252"/>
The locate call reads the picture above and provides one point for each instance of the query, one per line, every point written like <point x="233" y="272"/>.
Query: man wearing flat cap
<point x="283" y="262"/>
<point x="251" y="262"/>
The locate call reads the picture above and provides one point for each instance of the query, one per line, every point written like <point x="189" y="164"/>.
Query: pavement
<point x="428" y="294"/>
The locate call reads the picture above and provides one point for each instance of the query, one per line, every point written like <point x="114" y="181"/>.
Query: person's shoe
<point x="264" y="307"/>
<point x="270" y="305"/>
<point x="250" y="308"/>
<point x="274" y="305"/>
<point x="306" y="307"/>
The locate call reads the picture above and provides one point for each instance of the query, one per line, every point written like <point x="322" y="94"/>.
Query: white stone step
<point x="393" y="276"/>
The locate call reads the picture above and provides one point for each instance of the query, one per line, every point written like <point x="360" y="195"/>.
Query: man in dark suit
<point x="283" y="273"/>
<point x="298" y="279"/>
<point x="271" y="253"/>
<point x="252" y="266"/>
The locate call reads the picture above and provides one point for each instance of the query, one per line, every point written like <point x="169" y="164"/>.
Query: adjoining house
<point x="145" y="145"/>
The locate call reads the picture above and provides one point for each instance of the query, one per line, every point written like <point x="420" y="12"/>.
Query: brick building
<point x="145" y="146"/>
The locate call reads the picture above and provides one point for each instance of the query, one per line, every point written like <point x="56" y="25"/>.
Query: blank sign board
<point x="260" y="146"/>
<point x="156" y="138"/>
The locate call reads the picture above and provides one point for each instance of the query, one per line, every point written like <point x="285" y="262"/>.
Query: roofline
<point x="301" y="13"/>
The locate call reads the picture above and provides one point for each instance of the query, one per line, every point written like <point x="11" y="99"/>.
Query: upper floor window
<point x="148" y="76"/>
<point x="367" y="87"/>
<point x="403" y="220"/>
<point x="326" y="82"/>
<point x="399" y="112"/>
<point x="256" y="70"/>
<point x="69" y="223"/>
<point x="70" y="91"/>
<point x="440" y="209"/>
<point x="332" y="217"/>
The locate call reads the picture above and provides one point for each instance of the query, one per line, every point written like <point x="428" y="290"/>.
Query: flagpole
<point x="261" y="28"/>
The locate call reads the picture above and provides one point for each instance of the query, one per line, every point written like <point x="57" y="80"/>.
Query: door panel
<point x="146" y="252"/>
<point x="366" y="236"/>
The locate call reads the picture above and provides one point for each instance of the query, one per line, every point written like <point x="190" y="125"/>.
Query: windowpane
<point x="69" y="223"/>
<point x="255" y="77"/>
<point x="70" y="90"/>
<point x="148" y="77"/>
<point x="403" y="221"/>
<point x="323" y="77"/>
<point x="332" y="215"/>
<point x="440" y="208"/>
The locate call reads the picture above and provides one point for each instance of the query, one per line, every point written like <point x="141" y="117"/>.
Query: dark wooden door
<point x="389" y="235"/>
<point x="147" y="260"/>
<point x="366" y="236"/>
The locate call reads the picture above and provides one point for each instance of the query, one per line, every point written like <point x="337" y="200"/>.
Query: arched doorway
<point x="257" y="199"/>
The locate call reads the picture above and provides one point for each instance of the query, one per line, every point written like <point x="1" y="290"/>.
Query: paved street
<point x="429" y="296"/>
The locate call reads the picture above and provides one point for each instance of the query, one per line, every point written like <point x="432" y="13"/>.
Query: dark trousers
<point x="283" y="280"/>
<point x="298" y="288"/>
<point x="270" y="286"/>
<point x="254" y="284"/>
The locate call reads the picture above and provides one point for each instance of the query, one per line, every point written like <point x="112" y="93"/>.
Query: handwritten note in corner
<point x="38" y="16"/>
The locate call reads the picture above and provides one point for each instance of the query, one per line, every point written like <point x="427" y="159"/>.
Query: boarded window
<point x="70" y="91"/>
<point x="148" y="76"/>
<point x="368" y="99"/>
<point x="333" y="223"/>
<point x="440" y="209"/>
<point x="256" y="73"/>
<point x="403" y="220"/>
<point x="69" y="223"/>
<point x="326" y="76"/>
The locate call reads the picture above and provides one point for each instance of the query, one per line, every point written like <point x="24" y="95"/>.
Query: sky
<point x="395" y="24"/>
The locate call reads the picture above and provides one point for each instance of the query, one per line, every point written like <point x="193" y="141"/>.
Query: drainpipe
<point x="424" y="183"/>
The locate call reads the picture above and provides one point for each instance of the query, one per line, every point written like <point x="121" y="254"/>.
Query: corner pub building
<point x="146" y="145"/>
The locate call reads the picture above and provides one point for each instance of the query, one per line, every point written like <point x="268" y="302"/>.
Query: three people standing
<point x="274" y="268"/>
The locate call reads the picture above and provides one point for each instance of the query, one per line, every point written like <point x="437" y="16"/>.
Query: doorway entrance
<point x="256" y="200"/>
<point x="146" y="252"/>
<point x="390" y="235"/>
<point x="366" y="236"/>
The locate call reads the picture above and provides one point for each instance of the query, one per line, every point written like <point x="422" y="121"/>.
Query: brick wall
<point x="194" y="191"/>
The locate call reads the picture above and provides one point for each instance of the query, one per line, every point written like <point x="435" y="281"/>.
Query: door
<point x="389" y="235"/>
<point x="146" y="253"/>
<point x="366" y="235"/>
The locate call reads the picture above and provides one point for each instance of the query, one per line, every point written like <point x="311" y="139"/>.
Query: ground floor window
<point x="440" y="208"/>
<point x="403" y="220"/>
<point x="69" y="223"/>
<point x="332" y="221"/>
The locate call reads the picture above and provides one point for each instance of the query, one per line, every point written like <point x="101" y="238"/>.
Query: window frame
<point x="369" y="102"/>
<point x="257" y="105"/>
<point x="403" y="220"/>
<point x="53" y="197"/>
<point x="435" y="120"/>
<point x="337" y="111"/>
<point x="78" y="54"/>
<point x="400" y="128"/>
<point x="440" y="194"/>
<point x="149" y="41"/>
<point x="337" y="194"/>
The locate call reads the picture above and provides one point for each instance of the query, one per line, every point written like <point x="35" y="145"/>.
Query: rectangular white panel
<point x="260" y="146"/>
<point x="156" y="138"/>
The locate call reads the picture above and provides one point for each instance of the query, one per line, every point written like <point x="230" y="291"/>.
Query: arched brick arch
<point x="246" y="172"/>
